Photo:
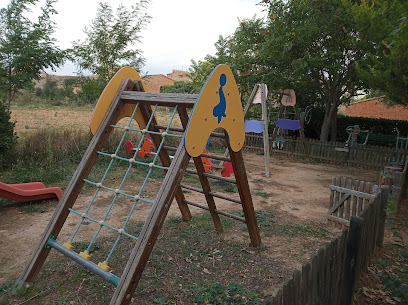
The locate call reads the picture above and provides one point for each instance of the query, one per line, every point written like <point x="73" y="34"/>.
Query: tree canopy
<point x="383" y="26"/>
<point x="109" y="40"/>
<point x="310" y="46"/>
<point x="26" y="47"/>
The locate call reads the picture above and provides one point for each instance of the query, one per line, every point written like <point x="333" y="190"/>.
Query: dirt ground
<point x="298" y="191"/>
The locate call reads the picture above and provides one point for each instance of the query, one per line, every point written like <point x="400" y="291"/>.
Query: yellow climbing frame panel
<point x="218" y="105"/>
<point x="109" y="93"/>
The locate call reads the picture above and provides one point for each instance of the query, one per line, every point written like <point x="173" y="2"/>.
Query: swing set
<point x="259" y="95"/>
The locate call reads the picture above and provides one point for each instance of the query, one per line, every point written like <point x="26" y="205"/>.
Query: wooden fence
<point x="399" y="186"/>
<point x="375" y="157"/>
<point x="349" y="198"/>
<point x="329" y="277"/>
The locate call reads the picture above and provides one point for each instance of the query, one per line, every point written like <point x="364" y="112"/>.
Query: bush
<point x="8" y="137"/>
<point x="91" y="89"/>
<point x="179" y="87"/>
<point x="50" y="92"/>
<point x="374" y="126"/>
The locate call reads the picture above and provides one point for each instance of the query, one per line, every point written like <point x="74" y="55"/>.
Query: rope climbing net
<point x="135" y="198"/>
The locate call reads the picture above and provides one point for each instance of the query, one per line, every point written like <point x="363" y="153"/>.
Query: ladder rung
<point x="211" y="176"/>
<point x="110" y="277"/>
<point x="171" y="148"/>
<point x="192" y="188"/>
<point x="178" y="129"/>
<point x="215" y="157"/>
<point x="242" y="219"/>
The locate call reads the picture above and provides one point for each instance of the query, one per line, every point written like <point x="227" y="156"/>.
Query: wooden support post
<point x="151" y="229"/>
<point x="251" y="98"/>
<point x="302" y="133"/>
<point x="396" y="189"/>
<point x="351" y="259"/>
<point x="385" y="191"/>
<point x="165" y="159"/>
<point x="71" y="193"/>
<point x="265" y="130"/>
<point x="276" y="129"/>
<point x="245" y="195"/>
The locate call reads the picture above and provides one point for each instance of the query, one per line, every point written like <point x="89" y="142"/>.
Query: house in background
<point x="376" y="108"/>
<point x="179" y="76"/>
<point x="156" y="81"/>
<point x="152" y="82"/>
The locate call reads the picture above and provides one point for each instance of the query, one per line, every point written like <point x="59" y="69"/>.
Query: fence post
<point x="385" y="190"/>
<point x="396" y="189"/>
<point x="351" y="259"/>
<point x="404" y="182"/>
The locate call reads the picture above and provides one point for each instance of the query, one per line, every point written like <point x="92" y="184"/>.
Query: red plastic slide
<point x="29" y="191"/>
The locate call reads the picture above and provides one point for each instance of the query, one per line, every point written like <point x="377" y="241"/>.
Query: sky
<point x="179" y="30"/>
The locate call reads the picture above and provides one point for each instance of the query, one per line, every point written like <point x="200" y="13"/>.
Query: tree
<point x="383" y="25"/>
<point x="108" y="40"/>
<point x="200" y="70"/>
<point x="8" y="137"/>
<point x="26" y="47"/>
<point x="314" y="46"/>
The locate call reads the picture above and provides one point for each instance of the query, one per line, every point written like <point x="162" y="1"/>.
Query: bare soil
<point x="299" y="191"/>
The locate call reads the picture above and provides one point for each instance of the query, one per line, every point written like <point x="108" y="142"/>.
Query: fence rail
<point x="329" y="277"/>
<point x="370" y="156"/>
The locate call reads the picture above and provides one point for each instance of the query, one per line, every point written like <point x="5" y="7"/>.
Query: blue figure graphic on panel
<point x="219" y="110"/>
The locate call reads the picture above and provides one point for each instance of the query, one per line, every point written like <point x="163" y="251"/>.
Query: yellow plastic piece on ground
<point x="68" y="245"/>
<point x="85" y="255"/>
<point x="218" y="105"/>
<point x="104" y="266"/>
<point x="109" y="93"/>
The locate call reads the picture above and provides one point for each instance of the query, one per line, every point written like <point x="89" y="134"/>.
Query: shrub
<point x="179" y="87"/>
<point x="91" y="89"/>
<point x="375" y="126"/>
<point x="8" y="137"/>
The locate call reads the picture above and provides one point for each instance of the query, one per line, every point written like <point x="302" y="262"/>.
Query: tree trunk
<point x="333" y="130"/>
<point x="330" y="112"/>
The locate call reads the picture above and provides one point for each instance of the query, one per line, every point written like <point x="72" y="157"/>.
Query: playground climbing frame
<point x="132" y="93"/>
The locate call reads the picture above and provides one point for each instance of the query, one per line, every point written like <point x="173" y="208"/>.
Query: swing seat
<point x="289" y="124"/>
<point x="253" y="126"/>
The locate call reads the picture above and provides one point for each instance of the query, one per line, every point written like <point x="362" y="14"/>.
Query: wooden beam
<point x="245" y="195"/>
<point x="161" y="99"/>
<point x="265" y="133"/>
<point x="352" y="192"/>
<point x="338" y="203"/>
<point x="339" y="220"/>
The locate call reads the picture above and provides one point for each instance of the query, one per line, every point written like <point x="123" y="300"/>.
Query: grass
<point x="33" y="208"/>
<point x="259" y="181"/>
<point x="190" y="264"/>
<point x="263" y="194"/>
<point x="270" y="224"/>
<point x="224" y="187"/>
